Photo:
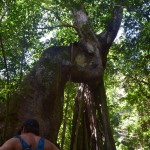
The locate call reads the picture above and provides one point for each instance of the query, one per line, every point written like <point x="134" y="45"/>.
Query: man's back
<point x="30" y="139"/>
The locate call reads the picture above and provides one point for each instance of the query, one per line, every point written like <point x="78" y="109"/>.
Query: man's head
<point x="31" y="126"/>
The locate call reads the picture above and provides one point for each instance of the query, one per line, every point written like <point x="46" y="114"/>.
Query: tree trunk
<point x="86" y="132"/>
<point x="41" y="94"/>
<point x="91" y="126"/>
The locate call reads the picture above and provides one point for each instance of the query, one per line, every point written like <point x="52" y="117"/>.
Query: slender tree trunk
<point x="5" y="107"/>
<point x="65" y="116"/>
<point x="103" y="115"/>
<point x="4" y="58"/>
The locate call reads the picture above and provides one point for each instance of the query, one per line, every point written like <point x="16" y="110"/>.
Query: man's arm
<point x="9" y="145"/>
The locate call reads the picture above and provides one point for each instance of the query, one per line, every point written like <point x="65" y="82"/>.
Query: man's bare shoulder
<point x="10" y="144"/>
<point x="49" y="145"/>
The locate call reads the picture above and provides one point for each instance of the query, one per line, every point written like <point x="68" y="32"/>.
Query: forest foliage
<point x="28" y="27"/>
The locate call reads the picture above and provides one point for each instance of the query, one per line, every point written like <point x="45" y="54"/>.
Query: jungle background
<point x="29" y="27"/>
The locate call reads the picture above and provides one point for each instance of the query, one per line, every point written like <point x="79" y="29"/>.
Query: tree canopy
<point x="28" y="27"/>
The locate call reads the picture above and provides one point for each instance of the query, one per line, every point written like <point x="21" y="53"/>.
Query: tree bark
<point x="41" y="94"/>
<point x="91" y="125"/>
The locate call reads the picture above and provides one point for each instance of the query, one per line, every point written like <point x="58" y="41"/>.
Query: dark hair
<point x="31" y="126"/>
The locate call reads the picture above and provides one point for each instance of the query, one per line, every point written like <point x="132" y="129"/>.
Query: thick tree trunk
<point x="91" y="126"/>
<point x="41" y="93"/>
<point x="86" y="132"/>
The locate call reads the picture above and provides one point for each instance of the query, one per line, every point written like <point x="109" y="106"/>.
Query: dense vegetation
<point x="28" y="27"/>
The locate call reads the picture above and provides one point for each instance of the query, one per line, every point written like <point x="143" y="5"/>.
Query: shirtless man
<point x="28" y="139"/>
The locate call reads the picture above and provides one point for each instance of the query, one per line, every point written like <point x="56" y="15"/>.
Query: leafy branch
<point x="57" y="26"/>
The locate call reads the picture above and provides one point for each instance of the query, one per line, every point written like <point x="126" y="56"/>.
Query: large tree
<point x="40" y="95"/>
<point x="23" y="23"/>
